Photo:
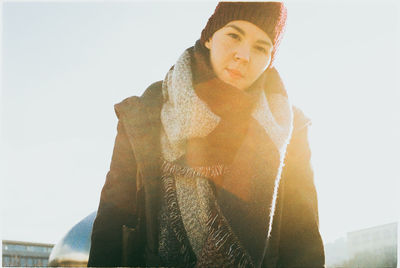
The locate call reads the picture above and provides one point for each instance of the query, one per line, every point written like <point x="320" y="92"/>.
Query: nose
<point x="242" y="53"/>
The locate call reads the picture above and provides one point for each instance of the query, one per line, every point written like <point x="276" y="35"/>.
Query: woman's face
<point x="239" y="53"/>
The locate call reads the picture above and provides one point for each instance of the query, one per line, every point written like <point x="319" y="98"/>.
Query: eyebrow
<point x="240" y="30"/>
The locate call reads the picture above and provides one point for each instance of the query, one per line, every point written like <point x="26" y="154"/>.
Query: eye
<point x="234" y="36"/>
<point x="262" y="49"/>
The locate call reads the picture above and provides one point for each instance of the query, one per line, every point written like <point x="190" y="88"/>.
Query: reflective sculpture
<point x="73" y="249"/>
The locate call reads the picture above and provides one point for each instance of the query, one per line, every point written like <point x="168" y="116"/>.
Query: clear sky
<point x="64" y="66"/>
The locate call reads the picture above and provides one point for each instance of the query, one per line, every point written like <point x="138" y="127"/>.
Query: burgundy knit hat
<point x="268" y="16"/>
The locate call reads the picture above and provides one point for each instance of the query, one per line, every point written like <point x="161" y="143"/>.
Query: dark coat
<point x="131" y="194"/>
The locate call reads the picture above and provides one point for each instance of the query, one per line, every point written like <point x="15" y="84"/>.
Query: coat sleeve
<point x="300" y="240"/>
<point x="117" y="205"/>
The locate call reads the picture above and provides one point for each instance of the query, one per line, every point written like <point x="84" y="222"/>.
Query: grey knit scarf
<point x="193" y="229"/>
<point x="184" y="115"/>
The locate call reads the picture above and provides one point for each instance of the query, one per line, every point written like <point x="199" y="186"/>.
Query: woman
<point x="211" y="166"/>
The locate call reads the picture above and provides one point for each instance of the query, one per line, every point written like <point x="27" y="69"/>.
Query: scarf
<point x="207" y="119"/>
<point x="236" y="139"/>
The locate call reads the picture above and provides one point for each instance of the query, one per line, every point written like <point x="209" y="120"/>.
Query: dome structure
<point x="73" y="248"/>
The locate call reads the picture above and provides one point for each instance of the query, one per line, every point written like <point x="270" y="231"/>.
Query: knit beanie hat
<point x="268" y="16"/>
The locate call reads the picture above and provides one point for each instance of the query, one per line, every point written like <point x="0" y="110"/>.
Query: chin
<point x="233" y="83"/>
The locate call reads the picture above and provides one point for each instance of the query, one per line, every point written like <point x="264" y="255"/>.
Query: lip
<point x="234" y="73"/>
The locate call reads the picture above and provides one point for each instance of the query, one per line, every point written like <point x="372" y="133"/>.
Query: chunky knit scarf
<point x="217" y="142"/>
<point x="186" y="112"/>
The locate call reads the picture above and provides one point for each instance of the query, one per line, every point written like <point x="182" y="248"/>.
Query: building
<point x="368" y="248"/>
<point x="377" y="239"/>
<point x="25" y="254"/>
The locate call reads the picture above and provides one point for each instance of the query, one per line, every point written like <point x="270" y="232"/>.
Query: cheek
<point x="221" y="52"/>
<point x="258" y="68"/>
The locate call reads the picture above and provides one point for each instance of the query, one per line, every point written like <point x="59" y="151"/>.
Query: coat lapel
<point x="261" y="161"/>
<point x="141" y="120"/>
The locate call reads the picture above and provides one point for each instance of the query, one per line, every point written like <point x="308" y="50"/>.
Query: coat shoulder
<point x="300" y="120"/>
<point x="153" y="92"/>
<point x="152" y="97"/>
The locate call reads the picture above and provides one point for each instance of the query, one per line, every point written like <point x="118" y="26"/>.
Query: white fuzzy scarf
<point x="184" y="115"/>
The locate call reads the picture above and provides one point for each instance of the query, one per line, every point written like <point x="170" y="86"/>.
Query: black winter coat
<point x="131" y="193"/>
